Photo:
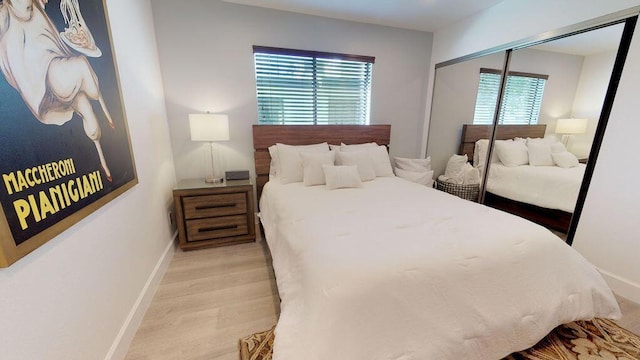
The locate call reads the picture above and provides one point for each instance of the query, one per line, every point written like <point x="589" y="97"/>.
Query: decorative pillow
<point x="512" y="153"/>
<point x="558" y="148"/>
<point x="416" y="165"/>
<point x="379" y="159"/>
<point x="421" y="177"/>
<point x="359" y="158"/>
<point x="540" y="154"/>
<point x="545" y="140"/>
<point x="344" y="146"/>
<point x="565" y="159"/>
<point x="312" y="173"/>
<point x="290" y="169"/>
<point x="275" y="162"/>
<point x="344" y="176"/>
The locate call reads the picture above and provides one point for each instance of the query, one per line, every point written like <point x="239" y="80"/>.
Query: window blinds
<point x="521" y="101"/>
<point x="303" y="87"/>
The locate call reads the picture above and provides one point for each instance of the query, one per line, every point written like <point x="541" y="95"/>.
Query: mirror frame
<point x="616" y="74"/>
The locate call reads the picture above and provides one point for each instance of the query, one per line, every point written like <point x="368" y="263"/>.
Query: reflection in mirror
<point x="560" y="88"/>
<point x="453" y="105"/>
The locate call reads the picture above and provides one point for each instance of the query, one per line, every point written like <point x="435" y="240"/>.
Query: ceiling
<point x="424" y="15"/>
<point x="430" y="15"/>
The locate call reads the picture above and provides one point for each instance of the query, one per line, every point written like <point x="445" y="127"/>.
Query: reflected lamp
<point x="569" y="127"/>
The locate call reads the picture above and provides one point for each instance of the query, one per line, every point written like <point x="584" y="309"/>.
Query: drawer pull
<point x="217" y="206"/>
<point x="214" y="228"/>
<point x="208" y="206"/>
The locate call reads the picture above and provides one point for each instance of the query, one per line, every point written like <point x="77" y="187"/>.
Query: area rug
<point x="592" y="340"/>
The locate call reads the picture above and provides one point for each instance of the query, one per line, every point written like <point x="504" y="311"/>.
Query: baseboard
<point x="121" y="343"/>
<point x="623" y="287"/>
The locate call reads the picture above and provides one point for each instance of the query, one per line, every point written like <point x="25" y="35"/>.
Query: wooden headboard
<point x="473" y="133"/>
<point x="267" y="135"/>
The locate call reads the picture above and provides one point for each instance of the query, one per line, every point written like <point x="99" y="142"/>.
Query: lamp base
<point x="214" y="180"/>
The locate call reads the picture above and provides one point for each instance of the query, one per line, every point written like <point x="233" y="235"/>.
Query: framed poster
<point x="64" y="143"/>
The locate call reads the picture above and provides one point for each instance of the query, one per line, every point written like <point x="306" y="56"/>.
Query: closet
<point x="530" y="116"/>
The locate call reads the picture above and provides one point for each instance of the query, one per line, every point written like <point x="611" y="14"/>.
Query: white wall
<point x="592" y="88"/>
<point x="70" y="298"/>
<point x="206" y="55"/>
<point x="607" y="234"/>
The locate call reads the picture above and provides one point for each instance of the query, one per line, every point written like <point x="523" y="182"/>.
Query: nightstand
<point x="214" y="214"/>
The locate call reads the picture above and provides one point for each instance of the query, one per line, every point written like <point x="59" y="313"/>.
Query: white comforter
<point x="398" y="271"/>
<point x="550" y="187"/>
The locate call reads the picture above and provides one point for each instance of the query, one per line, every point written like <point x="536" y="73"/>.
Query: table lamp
<point x="210" y="128"/>
<point x="569" y="127"/>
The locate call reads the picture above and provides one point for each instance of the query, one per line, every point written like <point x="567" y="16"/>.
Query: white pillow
<point x="381" y="162"/>
<point x="480" y="153"/>
<point x="345" y="176"/>
<point x="379" y="158"/>
<point x="455" y="167"/>
<point x="359" y="158"/>
<point x="413" y="164"/>
<point x="275" y="162"/>
<point x="549" y="140"/>
<point x="421" y="177"/>
<point x="312" y="173"/>
<point x="565" y="159"/>
<point x="290" y="169"/>
<point x="558" y="148"/>
<point x="344" y="146"/>
<point x="540" y="154"/>
<point x="512" y="153"/>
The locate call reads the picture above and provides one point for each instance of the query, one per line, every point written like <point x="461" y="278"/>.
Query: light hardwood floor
<point x="207" y="300"/>
<point x="210" y="298"/>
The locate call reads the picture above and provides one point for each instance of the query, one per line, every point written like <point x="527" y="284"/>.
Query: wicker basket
<point x="467" y="192"/>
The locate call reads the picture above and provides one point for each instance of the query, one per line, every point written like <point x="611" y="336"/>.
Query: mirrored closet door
<point x="541" y="124"/>
<point x="453" y="106"/>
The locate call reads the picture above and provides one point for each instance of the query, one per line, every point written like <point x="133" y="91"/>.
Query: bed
<point x="549" y="187"/>
<point x="398" y="271"/>
<point x="545" y="195"/>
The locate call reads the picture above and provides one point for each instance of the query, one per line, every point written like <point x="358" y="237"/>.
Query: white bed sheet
<point x="550" y="187"/>
<point x="398" y="271"/>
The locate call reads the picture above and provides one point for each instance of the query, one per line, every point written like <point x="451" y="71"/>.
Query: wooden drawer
<point x="197" y="207"/>
<point x="219" y="227"/>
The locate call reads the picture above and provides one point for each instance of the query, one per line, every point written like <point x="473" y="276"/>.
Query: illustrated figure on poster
<point x="53" y="76"/>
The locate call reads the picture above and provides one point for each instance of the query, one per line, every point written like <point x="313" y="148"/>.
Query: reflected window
<point x="522" y="98"/>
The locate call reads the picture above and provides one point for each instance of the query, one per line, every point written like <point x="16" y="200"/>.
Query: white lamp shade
<point x="209" y="127"/>
<point x="571" y="126"/>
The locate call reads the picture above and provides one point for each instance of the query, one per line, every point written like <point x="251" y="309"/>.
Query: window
<point x="521" y="102"/>
<point x="307" y="87"/>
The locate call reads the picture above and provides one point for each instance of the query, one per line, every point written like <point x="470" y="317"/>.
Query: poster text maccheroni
<point x="36" y="207"/>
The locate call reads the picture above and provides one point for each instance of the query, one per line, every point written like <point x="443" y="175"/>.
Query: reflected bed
<point x="525" y="190"/>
